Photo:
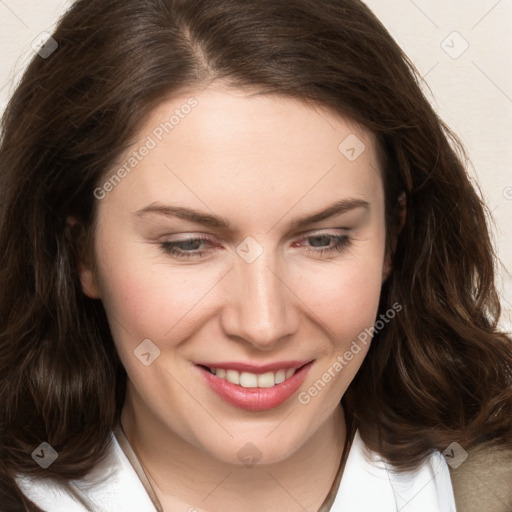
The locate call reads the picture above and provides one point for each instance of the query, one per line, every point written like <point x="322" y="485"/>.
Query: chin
<point x="249" y="450"/>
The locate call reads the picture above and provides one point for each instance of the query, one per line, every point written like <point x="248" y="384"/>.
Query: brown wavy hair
<point x="439" y="372"/>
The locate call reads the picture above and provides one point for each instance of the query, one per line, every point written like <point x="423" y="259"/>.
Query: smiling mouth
<point x="253" y="380"/>
<point x="272" y="386"/>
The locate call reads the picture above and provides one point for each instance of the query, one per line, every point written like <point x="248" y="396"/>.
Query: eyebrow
<point x="215" y="221"/>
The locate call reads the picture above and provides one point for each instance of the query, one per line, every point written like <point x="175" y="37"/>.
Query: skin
<point x="260" y="162"/>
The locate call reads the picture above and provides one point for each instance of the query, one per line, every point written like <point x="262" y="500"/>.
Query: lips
<point x="254" y="388"/>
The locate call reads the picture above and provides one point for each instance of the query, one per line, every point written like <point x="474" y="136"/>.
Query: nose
<point x="261" y="305"/>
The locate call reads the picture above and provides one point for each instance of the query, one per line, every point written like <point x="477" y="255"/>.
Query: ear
<point x="400" y="216"/>
<point x="85" y="265"/>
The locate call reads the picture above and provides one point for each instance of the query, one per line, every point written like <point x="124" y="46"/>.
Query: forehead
<point x="266" y="148"/>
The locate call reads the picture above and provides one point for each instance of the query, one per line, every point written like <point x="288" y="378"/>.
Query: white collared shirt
<point x="366" y="486"/>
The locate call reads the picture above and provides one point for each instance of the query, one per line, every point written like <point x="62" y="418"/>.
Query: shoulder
<point x="483" y="481"/>
<point x="112" y="486"/>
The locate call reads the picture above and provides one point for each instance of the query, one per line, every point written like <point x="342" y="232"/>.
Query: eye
<point x="185" y="248"/>
<point x="322" y="243"/>
<point x="327" y="243"/>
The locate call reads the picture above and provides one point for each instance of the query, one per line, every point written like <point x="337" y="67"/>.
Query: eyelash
<point x="342" y="241"/>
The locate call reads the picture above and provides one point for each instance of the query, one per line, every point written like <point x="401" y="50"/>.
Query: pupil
<point x="324" y="238"/>
<point x="191" y="244"/>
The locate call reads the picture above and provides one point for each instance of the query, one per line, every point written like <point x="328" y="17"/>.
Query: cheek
<point x="144" y="298"/>
<point x="345" y="296"/>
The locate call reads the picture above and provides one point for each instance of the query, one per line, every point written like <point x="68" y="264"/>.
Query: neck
<point x="183" y="474"/>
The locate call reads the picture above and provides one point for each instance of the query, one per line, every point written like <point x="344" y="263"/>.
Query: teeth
<point x="248" y="380"/>
<point x="233" y="376"/>
<point x="266" y="380"/>
<point x="280" y="376"/>
<point x="252" y="380"/>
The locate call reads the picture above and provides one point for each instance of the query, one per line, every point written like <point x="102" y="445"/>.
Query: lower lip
<point x="256" y="399"/>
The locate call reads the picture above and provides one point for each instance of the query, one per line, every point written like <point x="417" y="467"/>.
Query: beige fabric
<point x="483" y="482"/>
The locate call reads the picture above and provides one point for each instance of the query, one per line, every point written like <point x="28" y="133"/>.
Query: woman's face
<point x="226" y="181"/>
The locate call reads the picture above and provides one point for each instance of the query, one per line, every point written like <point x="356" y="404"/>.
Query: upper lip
<point x="252" y="368"/>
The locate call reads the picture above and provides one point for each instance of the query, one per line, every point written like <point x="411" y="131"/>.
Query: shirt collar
<point x="370" y="483"/>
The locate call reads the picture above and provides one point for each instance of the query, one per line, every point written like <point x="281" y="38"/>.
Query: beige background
<point x="471" y="89"/>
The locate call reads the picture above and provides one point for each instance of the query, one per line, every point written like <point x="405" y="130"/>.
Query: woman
<point x="244" y="269"/>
